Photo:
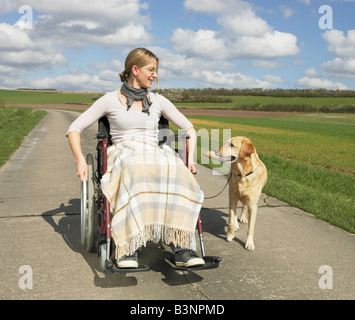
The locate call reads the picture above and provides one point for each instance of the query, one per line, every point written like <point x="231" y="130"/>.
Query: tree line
<point x="220" y="95"/>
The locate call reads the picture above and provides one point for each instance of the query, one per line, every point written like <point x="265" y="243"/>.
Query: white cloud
<point x="340" y="68"/>
<point x="207" y="44"/>
<point x="6" y="6"/>
<point x="307" y="2"/>
<point x="115" y="65"/>
<point x="267" y="64"/>
<point x="176" y="66"/>
<point x="31" y="59"/>
<point x="86" y="22"/>
<point x="273" y="79"/>
<point x="209" y="6"/>
<point x="218" y="79"/>
<point x="286" y="11"/>
<point x="19" y="50"/>
<point x="114" y="12"/>
<point x="13" y="38"/>
<point x="273" y="44"/>
<point x="66" y="26"/>
<point x="243" y="34"/>
<point x="339" y="44"/>
<point x="203" y="43"/>
<point x="73" y="81"/>
<point x="312" y="72"/>
<point x="298" y="62"/>
<point x="241" y="20"/>
<point x="182" y="65"/>
<point x="343" y="47"/>
<point x="316" y="83"/>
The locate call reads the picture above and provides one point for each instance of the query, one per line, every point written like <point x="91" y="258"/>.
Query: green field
<point x="240" y="101"/>
<point x="43" y="97"/>
<point x="57" y="97"/>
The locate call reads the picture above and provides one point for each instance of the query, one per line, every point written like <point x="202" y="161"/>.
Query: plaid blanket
<point x="153" y="196"/>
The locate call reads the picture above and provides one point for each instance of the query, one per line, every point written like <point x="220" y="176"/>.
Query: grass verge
<point x="327" y="194"/>
<point x="15" y="124"/>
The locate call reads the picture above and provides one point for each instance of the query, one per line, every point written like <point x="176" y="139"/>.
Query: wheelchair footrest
<point x="141" y="268"/>
<point x="211" y="262"/>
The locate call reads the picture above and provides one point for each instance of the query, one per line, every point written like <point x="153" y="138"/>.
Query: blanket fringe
<point x="169" y="235"/>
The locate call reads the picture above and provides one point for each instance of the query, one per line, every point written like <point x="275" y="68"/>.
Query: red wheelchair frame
<point x="95" y="208"/>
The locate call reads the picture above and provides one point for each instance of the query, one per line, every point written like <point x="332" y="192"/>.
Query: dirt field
<point x="185" y="111"/>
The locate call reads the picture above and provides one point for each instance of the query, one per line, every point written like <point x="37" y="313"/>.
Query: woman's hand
<point x="192" y="168"/>
<point x="82" y="170"/>
<point x="81" y="165"/>
<point x="192" y="147"/>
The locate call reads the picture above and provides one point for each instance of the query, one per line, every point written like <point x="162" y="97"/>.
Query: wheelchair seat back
<point x="104" y="128"/>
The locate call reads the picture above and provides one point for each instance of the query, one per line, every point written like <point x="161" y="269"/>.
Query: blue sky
<point x="81" y="45"/>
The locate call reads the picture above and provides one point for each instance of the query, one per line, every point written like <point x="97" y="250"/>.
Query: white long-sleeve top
<point x="131" y="124"/>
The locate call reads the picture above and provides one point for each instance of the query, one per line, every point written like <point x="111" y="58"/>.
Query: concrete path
<point x="296" y="256"/>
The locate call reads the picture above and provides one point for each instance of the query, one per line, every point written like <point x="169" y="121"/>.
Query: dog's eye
<point x="230" y="144"/>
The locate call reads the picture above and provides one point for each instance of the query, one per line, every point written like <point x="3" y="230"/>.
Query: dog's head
<point x="237" y="148"/>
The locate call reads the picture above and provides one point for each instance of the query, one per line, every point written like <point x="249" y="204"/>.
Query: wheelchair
<point x="95" y="208"/>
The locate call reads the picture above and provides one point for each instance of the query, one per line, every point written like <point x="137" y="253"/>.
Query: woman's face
<point x="147" y="74"/>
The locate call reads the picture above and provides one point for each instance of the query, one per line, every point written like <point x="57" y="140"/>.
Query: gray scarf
<point x="133" y="94"/>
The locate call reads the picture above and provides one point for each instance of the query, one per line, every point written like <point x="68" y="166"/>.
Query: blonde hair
<point x="139" y="57"/>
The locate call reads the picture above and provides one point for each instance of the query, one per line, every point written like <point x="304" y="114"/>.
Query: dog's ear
<point x="247" y="149"/>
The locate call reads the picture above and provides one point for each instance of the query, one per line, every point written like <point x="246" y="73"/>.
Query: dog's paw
<point x="243" y="219"/>
<point x="250" y="245"/>
<point x="230" y="237"/>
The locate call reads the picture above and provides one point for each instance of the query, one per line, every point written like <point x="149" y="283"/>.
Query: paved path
<point x="40" y="228"/>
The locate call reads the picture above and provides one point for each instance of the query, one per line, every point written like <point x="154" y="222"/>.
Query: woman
<point x="152" y="194"/>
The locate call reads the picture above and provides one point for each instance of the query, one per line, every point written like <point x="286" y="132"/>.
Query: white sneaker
<point x="128" y="262"/>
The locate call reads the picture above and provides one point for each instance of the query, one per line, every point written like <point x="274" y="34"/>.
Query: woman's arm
<point x="170" y="112"/>
<point x="75" y="145"/>
<point x="85" y="120"/>
<point x="192" y="148"/>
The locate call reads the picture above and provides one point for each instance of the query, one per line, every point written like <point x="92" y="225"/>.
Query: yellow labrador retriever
<point x="248" y="177"/>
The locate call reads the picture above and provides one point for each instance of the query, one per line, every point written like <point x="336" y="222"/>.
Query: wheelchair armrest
<point x="177" y="137"/>
<point x="182" y="153"/>
<point x="183" y="136"/>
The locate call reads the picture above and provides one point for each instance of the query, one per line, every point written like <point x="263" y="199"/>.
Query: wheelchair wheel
<point x="88" y="208"/>
<point x="83" y="212"/>
<point x="90" y="242"/>
<point x="102" y="256"/>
